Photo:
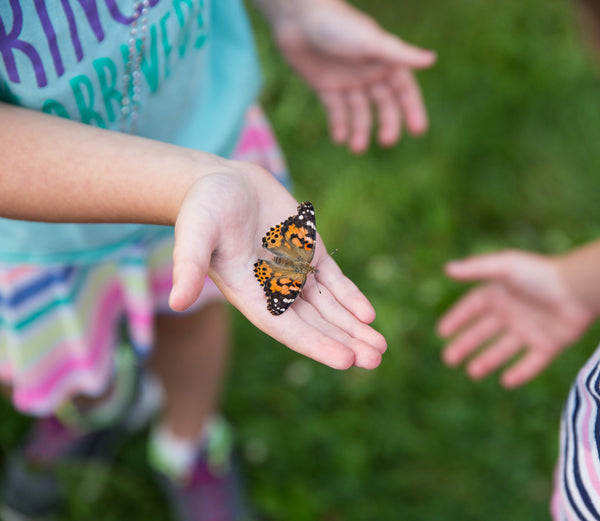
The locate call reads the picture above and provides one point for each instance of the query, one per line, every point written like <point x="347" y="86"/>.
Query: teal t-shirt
<point x="199" y="74"/>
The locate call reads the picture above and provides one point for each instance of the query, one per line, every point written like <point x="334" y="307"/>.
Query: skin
<point x="362" y="74"/>
<point x="526" y="305"/>
<point x="364" y="77"/>
<point x="220" y="210"/>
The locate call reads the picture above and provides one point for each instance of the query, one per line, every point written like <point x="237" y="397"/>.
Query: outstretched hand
<point x="219" y="231"/>
<point x="523" y="306"/>
<point x="357" y="69"/>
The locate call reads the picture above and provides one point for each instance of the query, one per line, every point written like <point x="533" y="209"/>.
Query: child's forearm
<point x="281" y="10"/>
<point x="580" y="269"/>
<point x="53" y="169"/>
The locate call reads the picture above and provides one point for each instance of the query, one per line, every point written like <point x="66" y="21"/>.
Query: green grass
<point x="510" y="161"/>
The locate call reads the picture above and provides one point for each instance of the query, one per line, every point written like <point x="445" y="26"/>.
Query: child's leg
<point x="191" y="351"/>
<point x="90" y="430"/>
<point x="190" y="446"/>
<point x="190" y="359"/>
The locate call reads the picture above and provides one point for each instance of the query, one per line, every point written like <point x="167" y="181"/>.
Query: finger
<point x="365" y="355"/>
<point x="337" y="115"/>
<point x="492" y="266"/>
<point x="522" y="371"/>
<point x="306" y="335"/>
<point x="470" y="306"/>
<point x="335" y="313"/>
<point x="343" y="289"/>
<point x="411" y="101"/>
<point x="388" y="114"/>
<point x="494" y="356"/>
<point x="303" y="335"/>
<point x="389" y="48"/>
<point x="473" y="337"/>
<point x="360" y="120"/>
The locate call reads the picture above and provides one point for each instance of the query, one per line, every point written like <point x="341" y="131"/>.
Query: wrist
<point x="581" y="275"/>
<point x="187" y="168"/>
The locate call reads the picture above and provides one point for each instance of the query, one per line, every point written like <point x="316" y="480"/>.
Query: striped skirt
<point x="577" y="477"/>
<point x="59" y="325"/>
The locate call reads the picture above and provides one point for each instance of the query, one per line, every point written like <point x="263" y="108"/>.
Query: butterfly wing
<point x="281" y="284"/>
<point x="295" y="237"/>
<point x="292" y="242"/>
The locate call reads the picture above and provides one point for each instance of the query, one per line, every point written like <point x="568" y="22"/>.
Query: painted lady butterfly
<point x="293" y="244"/>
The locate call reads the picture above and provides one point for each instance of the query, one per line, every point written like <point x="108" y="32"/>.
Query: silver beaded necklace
<point x="130" y="101"/>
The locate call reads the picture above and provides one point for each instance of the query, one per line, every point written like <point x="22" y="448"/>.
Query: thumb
<point x="188" y="281"/>
<point x="493" y="266"/>
<point x="191" y="259"/>
<point x="390" y="48"/>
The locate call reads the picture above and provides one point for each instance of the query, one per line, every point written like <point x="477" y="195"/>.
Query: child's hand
<point x="358" y="70"/>
<point x="219" y="231"/>
<point x="524" y="306"/>
<point x="221" y="210"/>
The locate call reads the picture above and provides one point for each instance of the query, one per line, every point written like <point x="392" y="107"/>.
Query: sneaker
<point x="214" y="489"/>
<point x="29" y="487"/>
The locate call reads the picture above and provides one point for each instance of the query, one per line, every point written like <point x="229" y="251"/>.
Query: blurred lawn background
<point x="512" y="160"/>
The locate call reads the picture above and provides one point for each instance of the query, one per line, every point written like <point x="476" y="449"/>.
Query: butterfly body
<point x="292" y="243"/>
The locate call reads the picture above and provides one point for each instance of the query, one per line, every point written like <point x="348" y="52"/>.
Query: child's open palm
<point x="358" y="70"/>
<point x="219" y="231"/>
<point x="523" y="306"/>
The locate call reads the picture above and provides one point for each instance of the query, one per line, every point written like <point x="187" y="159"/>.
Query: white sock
<point x="172" y="455"/>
